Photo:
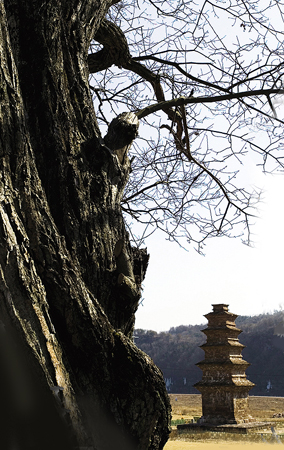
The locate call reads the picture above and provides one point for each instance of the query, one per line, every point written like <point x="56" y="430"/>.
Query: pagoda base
<point x="240" y="428"/>
<point x="224" y="404"/>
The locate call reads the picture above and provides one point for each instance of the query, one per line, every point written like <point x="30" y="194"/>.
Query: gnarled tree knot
<point x="121" y="133"/>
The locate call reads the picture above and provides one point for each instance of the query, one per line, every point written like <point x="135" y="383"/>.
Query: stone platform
<point x="242" y="428"/>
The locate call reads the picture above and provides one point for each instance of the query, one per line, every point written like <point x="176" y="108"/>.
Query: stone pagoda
<point x="224" y="385"/>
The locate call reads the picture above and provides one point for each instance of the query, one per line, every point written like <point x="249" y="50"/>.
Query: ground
<point x="187" y="407"/>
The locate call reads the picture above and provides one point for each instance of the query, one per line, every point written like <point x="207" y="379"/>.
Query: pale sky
<point x="181" y="286"/>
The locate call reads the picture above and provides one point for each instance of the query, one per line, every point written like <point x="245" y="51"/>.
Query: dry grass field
<point x="186" y="407"/>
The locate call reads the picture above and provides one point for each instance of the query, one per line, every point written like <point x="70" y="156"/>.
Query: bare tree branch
<point x="184" y="178"/>
<point x="195" y="100"/>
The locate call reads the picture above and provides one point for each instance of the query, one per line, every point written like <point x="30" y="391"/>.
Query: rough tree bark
<point x="70" y="281"/>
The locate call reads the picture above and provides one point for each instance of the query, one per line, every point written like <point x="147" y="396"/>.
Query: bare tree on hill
<point x="70" y="276"/>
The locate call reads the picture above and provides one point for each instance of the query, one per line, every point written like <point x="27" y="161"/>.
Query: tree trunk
<point x="70" y="281"/>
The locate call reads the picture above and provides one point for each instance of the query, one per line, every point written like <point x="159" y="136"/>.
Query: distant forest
<point x="177" y="351"/>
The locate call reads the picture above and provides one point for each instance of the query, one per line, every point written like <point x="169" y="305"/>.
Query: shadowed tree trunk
<point x="70" y="281"/>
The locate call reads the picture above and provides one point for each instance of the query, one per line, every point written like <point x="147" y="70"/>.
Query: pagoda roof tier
<point x="221" y="315"/>
<point x="230" y="343"/>
<point x="223" y="327"/>
<point x="225" y="383"/>
<point x="226" y="317"/>
<point x="231" y="361"/>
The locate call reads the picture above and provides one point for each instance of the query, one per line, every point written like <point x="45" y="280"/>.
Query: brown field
<point x="261" y="408"/>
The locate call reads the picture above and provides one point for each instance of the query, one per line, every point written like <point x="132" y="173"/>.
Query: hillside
<point x="177" y="351"/>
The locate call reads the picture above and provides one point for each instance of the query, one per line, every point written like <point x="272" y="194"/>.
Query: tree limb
<point x="204" y="99"/>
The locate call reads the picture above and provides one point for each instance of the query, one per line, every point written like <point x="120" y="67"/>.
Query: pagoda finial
<point x="220" y="307"/>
